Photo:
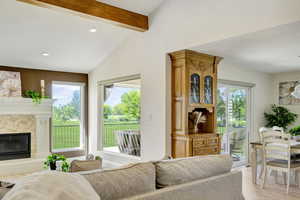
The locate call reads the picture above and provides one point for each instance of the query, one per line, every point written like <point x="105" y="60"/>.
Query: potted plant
<point x="52" y="160"/>
<point x="65" y="167"/>
<point x="35" y="96"/>
<point x="280" y="116"/>
<point x="295" y="132"/>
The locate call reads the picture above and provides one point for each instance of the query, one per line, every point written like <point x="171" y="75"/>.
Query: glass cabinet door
<point x="195" y="89"/>
<point x="208" y="90"/>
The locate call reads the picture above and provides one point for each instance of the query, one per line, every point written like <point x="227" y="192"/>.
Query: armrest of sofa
<point x="226" y="187"/>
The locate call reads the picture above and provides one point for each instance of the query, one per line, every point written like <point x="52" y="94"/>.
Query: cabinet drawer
<point x="199" y="142"/>
<point x="205" y="151"/>
<point x="213" y="141"/>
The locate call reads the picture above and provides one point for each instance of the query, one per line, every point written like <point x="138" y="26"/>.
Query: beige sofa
<point x="196" y="178"/>
<point x="203" y="178"/>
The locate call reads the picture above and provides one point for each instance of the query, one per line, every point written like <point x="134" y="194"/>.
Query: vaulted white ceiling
<point x="144" y="7"/>
<point x="274" y="50"/>
<point x="27" y="31"/>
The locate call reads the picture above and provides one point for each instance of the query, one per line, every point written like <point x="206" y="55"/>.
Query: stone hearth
<point x="20" y="124"/>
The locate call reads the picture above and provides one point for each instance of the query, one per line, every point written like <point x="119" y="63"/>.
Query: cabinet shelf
<point x="209" y="107"/>
<point x="202" y="105"/>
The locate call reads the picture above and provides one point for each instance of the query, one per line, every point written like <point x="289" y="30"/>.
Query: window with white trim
<point x="120" y="116"/>
<point x="68" y="126"/>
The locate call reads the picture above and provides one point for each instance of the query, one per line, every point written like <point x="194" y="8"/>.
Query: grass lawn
<point x="67" y="134"/>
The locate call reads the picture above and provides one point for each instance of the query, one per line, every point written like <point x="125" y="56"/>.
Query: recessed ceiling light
<point x="93" y="30"/>
<point x="45" y="54"/>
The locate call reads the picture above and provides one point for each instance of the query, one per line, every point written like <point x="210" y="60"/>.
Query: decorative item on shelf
<point x="35" y="96"/>
<point x="43" y="88"/>
<point x="198" y="118"/>
<point x="52" y="161"/>
<point x="280" y="116"/>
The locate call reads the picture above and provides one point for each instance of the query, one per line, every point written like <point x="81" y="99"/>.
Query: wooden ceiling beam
<point x="98" y="10"/>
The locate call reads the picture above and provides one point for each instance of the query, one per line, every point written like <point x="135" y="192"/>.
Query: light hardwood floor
<point x="272" y="191"/>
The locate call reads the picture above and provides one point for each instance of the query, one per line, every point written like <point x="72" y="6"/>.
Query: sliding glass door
<point x="120" y="118"/>
<point x="233" y="121"/>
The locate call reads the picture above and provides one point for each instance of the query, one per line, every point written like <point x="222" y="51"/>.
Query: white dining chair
<point x="263" y="130"/>
<point x="277" y="156"/>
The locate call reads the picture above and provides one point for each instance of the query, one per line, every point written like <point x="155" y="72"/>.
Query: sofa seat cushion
<point x="123" y="182"/>
<point x="178" y="171"/>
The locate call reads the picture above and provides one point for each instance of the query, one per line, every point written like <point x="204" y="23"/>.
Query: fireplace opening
<point x="15" y="146"/>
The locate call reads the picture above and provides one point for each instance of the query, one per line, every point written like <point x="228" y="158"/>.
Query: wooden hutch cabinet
<point x="194" y="93"/>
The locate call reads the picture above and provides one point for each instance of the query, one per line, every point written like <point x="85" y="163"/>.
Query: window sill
<point x="70" y="152"/>
<point x="119" y="158"/>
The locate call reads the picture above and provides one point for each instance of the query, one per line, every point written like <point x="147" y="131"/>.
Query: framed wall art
<point x="10" y="84"/>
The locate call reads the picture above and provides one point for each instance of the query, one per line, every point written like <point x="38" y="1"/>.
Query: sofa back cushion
<point x="178" y="171"/>
<point x="52" y="185"/>
<point x="223" y="187"/>
<point x="123" y="182"/>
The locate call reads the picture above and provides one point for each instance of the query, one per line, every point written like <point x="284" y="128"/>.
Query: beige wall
<point x="282" y="77"/>
<point x="177" y="25"/>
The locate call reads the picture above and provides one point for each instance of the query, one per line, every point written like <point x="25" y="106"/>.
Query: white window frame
<point x="100" y="122"/>
<point x="250" y="106"/>
<point x="83" y="135"/>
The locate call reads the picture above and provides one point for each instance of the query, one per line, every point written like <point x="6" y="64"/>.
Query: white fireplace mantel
<point x="25" y="106"/>
<point x="42" y="113"/>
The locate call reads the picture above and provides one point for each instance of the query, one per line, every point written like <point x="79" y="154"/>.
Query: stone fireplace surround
<point x="19" y="115"/>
